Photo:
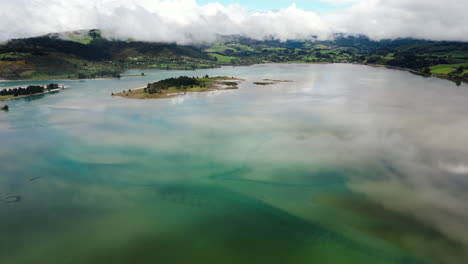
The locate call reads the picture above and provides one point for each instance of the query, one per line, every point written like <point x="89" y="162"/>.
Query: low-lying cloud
<point x="186" y="21"/>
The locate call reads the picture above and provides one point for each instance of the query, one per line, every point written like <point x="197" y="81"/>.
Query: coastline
<point x="59" y="79"/>
<point x="435" y="75"/>
<point x="9" y="98"/>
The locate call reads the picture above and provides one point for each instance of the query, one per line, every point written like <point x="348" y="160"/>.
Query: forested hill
<point x="91" y="57"/>
<point x="86" y="54"/>
<point x="426" y="57"/>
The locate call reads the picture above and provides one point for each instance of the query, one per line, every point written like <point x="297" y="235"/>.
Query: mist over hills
<point x="191" y="21"/>
<point x="89" y="54"/>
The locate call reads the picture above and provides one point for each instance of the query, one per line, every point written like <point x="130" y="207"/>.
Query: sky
<point x="196" y="21"/>
<point x="265" y="5"/>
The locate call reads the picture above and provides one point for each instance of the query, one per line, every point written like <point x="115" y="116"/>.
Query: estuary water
<point x="345" y="164"/>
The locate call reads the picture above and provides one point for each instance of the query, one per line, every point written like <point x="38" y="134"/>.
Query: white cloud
<point x="185" y="21"/>
<point x="455" y="169"/>
<point x="426" y="19"/>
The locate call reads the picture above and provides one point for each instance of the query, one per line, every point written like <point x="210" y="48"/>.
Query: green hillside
<point x="92" y="56"/>
<point x="86" y="54"/>
<point x="444" y="59"/>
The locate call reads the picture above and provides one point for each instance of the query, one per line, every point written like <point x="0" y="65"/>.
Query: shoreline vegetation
<point x="456" y="79"/>
<point x="11" y="93"/>
<point x="173" y="87"/>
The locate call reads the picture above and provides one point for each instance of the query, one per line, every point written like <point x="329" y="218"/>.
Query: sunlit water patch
<point x="346" y="164"/>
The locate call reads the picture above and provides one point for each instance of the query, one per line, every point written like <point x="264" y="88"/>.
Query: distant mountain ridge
<point x="87" y="54"/>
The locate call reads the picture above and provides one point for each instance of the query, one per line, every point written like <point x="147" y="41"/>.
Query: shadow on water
<point x="251" y="229"/>
<point x="399" y="229"/>
<point x="322" y="178"/>
<point x="233" y="228"/>
<point x="12" y="199"/>
<point x="93" y="205"/>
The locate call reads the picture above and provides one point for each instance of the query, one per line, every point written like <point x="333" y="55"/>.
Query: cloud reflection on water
<point x="415" y="124"/>
<point x="399" y="139"/>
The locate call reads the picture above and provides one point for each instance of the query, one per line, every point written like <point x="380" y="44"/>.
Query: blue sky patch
<point x="264" y="5"/>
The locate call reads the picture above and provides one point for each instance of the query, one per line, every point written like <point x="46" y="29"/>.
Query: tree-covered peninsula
<point x="16" y="92"/>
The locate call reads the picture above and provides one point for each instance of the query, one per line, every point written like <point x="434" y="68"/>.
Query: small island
<point x="182" y="85"/>
<point x="270" y="82"/>
<point x="31" y="90"/>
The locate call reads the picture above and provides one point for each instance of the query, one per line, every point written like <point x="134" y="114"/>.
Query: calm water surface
<point x="347" y="164"/>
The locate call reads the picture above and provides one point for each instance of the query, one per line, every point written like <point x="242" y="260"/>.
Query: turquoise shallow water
<point x="346" y="164"/>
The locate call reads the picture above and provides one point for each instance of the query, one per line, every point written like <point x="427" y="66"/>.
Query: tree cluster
<point x="180" y="82"/>
<point x="32" y="89"/>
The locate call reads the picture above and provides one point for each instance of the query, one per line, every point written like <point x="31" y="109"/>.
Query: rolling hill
<point x="86" y="54"/>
